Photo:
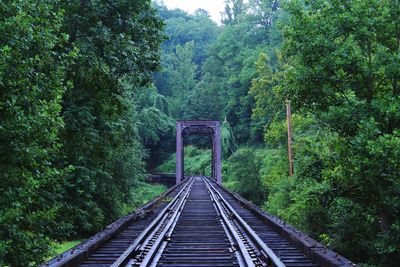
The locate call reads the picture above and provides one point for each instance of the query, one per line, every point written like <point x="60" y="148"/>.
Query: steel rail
<point x="134" y="247"/>
<point x="247" y="259"/>
<point x="249" y="231"/>
<point x="167" y="235"/>
<point x="155" y="252"/>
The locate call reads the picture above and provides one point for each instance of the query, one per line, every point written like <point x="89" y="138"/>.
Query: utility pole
<point x="289" y="130"/>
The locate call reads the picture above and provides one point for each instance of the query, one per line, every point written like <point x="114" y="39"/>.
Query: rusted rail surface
<point x="202" y="224"/>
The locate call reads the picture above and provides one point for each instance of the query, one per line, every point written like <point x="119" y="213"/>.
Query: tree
<point x="346" y="71"/>
<point x="32" y="82"/>
<point x="243" y="174"/>
<point x="156" y="126"/>
<point x="183" y="54"/>
<point x="203" y="103"/>
<point x="182" y="28"/>
<point x="118" y="45"/>
<point x="181" y="73"/>
<point x="230" y="69"/>
<point x="266" y="89"/>
<point x="233" y="10"/>
<point x="71" y="73"/>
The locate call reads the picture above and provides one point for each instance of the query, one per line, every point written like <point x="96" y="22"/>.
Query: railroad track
<point x="203" y="224"/>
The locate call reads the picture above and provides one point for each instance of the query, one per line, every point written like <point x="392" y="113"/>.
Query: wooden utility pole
<point x="289" y="130"/>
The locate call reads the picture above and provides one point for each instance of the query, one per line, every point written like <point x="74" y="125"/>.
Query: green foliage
<point x="79" y="116"/>
<point x="185" y="51"/>
<point x="32" y="82"/>
<point x="118" y="50"/>
<point x="181" y="73"/>
<point x="338" y="64"/>
<point x="70" y="73"/>
<point x="349" y="223"/>
<point x="228" y="143"/>
<point x="346" y="72"/>
<point x="182" y="28"/>
<point x="142" y="194"/>
<point x="266" y="90"/>
<point x="64" y="246"/>
<point x="197" y="162"/>
<point x="156" y="127"/>
<point x="304" y="199"/>
<point x="230" y="68"/>
<point x="210" y="78"/>
<point x="242" y="173"/>
<point x="228" y="74"/>
<point x="233" y="9"/>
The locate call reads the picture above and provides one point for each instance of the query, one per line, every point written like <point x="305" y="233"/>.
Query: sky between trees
<point x="214" y="7"/>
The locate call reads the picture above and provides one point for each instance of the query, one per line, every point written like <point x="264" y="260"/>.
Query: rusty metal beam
<point x="179" y="152"/>
<point x="203" y="127"/>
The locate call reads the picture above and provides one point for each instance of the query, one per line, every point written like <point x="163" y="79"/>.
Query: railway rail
<point x="199" y="223"/>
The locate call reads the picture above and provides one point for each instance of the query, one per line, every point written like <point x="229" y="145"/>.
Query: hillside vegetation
<point x="338" y="63"/>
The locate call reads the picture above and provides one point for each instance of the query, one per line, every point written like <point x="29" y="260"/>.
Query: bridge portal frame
<point x="205" y="127"/>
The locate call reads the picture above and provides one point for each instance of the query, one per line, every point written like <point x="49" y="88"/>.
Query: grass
<point x="142" y="194"/>
<point x="64" y="246"/>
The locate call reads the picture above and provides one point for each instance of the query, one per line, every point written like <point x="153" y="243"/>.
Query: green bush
<point x="142" y="194"/>
<point x="32" y="83"/>
<point x="242" y="173"/>
<point x="197" y="162"/>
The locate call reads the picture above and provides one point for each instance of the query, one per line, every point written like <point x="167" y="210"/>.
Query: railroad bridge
<point x="200" y="223"/>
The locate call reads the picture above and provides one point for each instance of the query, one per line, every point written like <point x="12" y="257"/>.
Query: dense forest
<point x="91" y="90"/>
<point x="71" y="153"/>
